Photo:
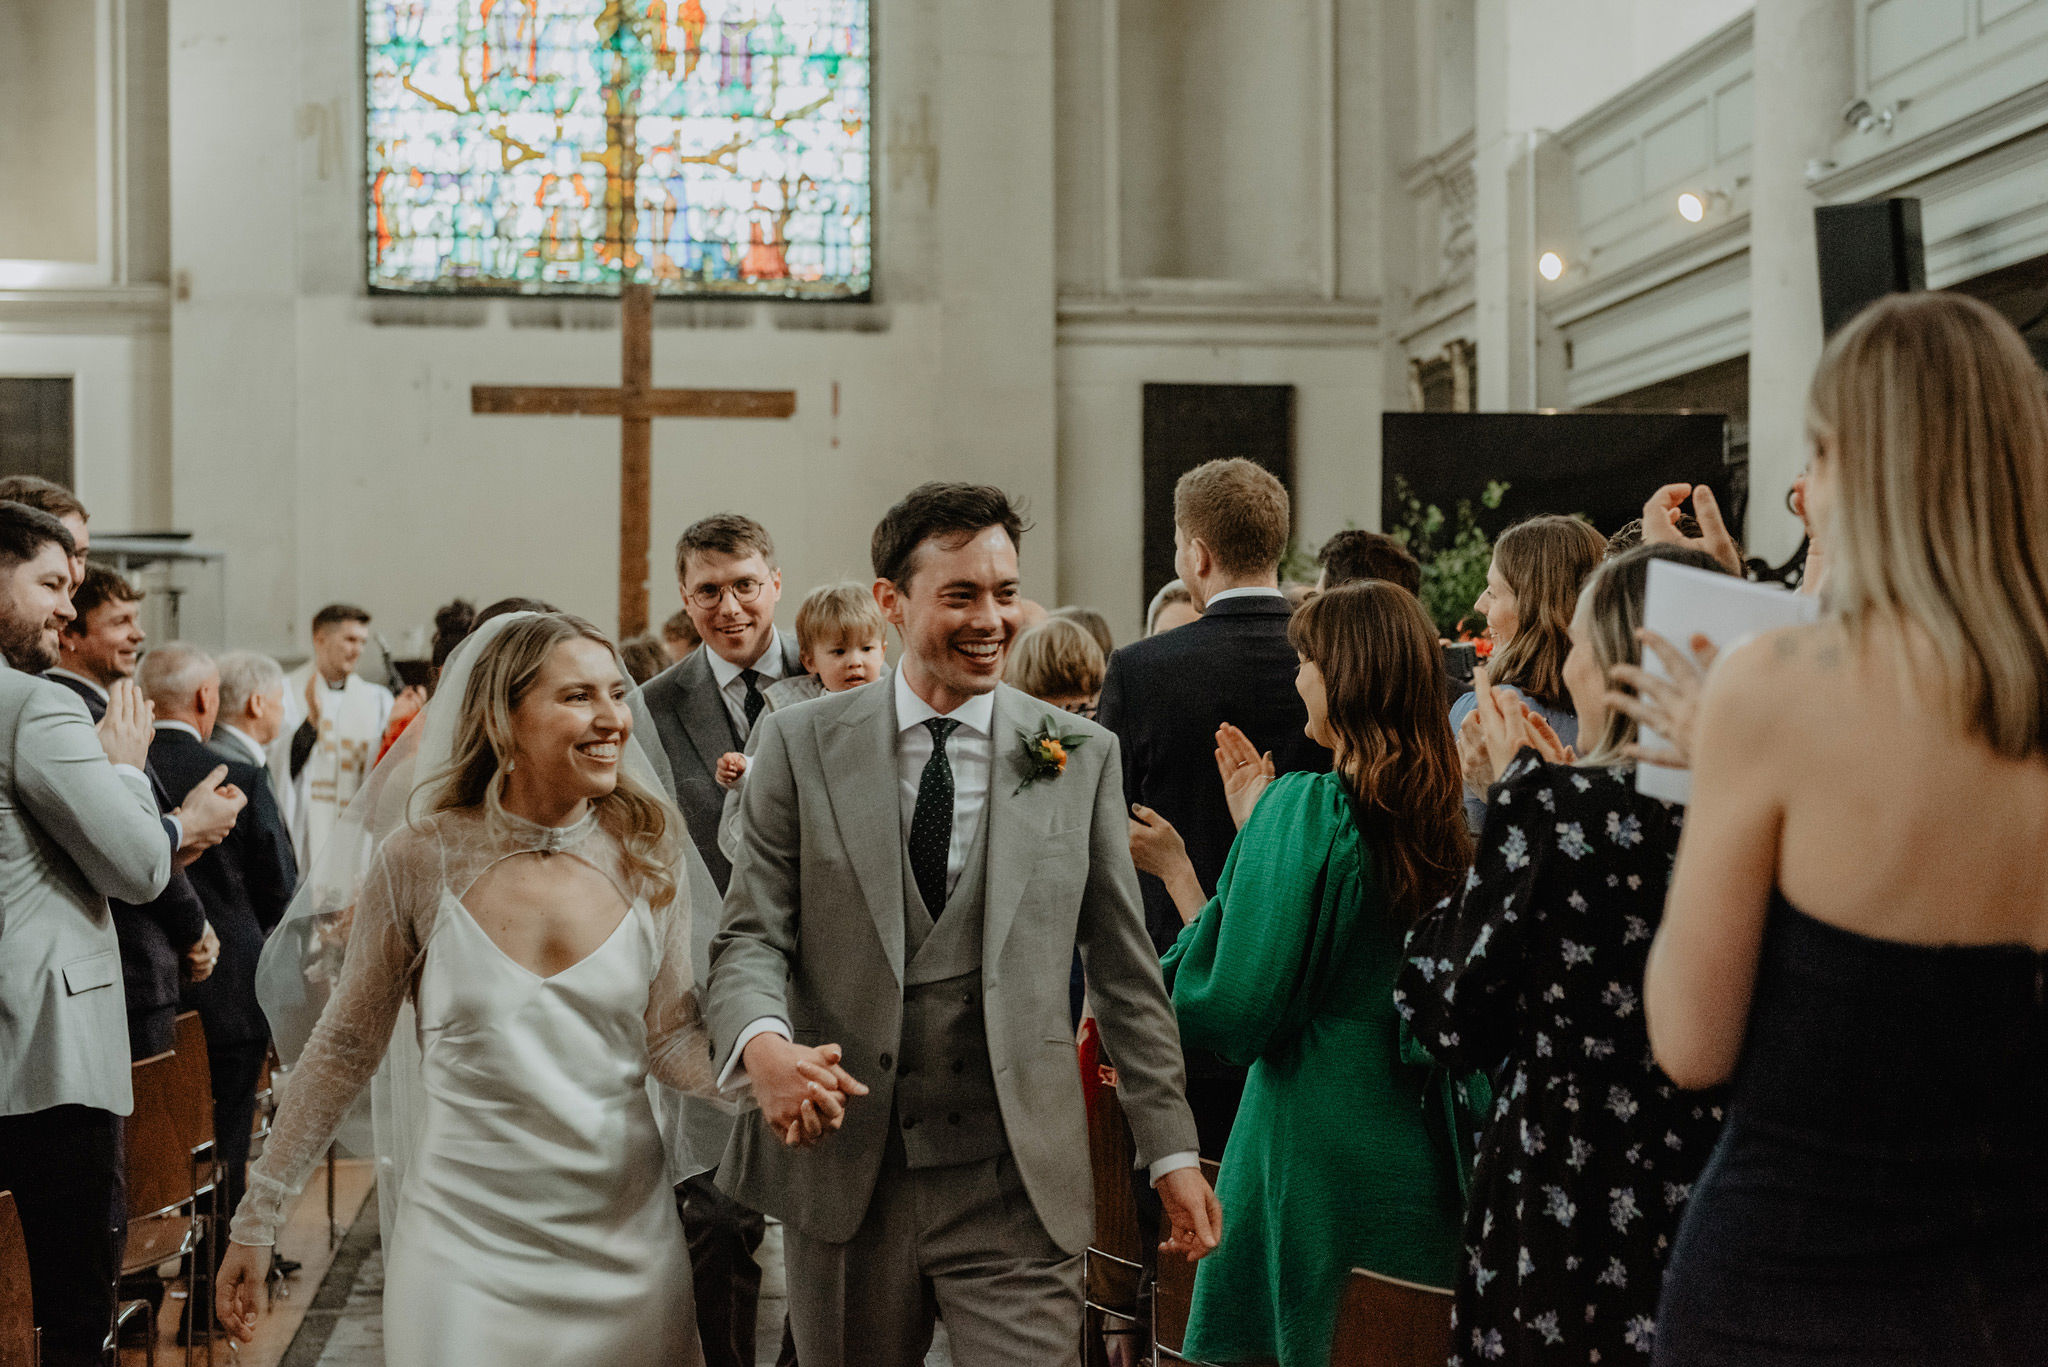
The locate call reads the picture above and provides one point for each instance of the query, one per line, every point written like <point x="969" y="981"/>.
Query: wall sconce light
<point x="1695" y="205"/>
<point x="1550" y="266"/>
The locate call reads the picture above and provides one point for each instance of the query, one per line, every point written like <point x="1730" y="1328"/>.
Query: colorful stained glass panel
<point x="711" y="147"/>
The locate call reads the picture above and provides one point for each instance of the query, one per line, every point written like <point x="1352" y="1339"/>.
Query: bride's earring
<point x="510" y="765"/>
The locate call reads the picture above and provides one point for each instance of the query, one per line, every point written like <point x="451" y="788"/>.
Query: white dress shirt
<point x="971" y="752"/>
<point x="1254" y="591"/>
<point x="733" y="688"/>
<point x="76" y="677"/>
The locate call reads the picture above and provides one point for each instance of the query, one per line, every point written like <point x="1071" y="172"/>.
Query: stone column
<point x="1805" y="55"/>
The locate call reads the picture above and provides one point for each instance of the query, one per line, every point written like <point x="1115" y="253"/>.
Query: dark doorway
<point x="1190" y="424"/>
<point x="35" y="428"/>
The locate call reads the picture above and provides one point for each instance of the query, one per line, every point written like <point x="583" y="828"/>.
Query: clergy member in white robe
<point x="332" y="729"/>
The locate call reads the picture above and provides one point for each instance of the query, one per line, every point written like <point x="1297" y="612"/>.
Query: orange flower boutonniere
<point x="1042" y="754"/>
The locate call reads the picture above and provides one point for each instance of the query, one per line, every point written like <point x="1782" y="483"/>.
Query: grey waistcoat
<point x="946" y="1107"/>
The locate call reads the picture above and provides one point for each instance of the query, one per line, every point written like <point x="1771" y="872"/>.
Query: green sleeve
<point x="1245" y="975"/>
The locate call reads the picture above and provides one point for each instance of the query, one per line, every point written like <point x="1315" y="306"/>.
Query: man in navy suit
<point x="245" y="883"/>
<point x="1165" y="697"/>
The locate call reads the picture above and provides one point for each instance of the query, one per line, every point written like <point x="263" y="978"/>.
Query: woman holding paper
<point x="1857" y="937"/>
<point x="1533" y="974"/>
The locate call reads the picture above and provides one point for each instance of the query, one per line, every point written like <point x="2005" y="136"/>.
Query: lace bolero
<point x="391" y="921"/>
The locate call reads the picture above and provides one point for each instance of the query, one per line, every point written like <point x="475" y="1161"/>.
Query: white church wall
<point x="119" y="364"/>
<point x="325" y="437"/>
<point x="51" y="83"/>
<point x="1565" y="57"/>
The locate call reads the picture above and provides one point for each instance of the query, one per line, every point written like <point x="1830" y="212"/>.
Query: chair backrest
<point x="17" y="1306"/>
<point x="194" y="1095"/>
<point x="159" y="1162"/>
<point x="1386" y="1322"/>
<point x="1112" y="1163"/>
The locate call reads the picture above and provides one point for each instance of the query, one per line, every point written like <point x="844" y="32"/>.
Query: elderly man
<point x="246" y="881"/>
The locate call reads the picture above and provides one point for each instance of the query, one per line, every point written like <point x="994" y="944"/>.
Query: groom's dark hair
<point x="939" y="510"/>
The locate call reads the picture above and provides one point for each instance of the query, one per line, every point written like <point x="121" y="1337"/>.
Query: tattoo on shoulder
<point x="1785" y="646"/>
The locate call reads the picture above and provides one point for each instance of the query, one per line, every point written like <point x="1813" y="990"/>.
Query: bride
<point x="532" y="909"/>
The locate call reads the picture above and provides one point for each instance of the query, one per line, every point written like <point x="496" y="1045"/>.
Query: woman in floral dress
<point x="1535" y="977"/>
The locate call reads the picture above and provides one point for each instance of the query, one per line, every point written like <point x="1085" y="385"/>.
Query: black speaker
<point x="1867" y="251"/>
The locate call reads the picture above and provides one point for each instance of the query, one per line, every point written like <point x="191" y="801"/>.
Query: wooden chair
<point x="19" y="1341"/>
<point x="163" y="1203"/>
<point x="193" y="1100"/>
<point x="1386" y="1322"/>
<point x="1113" y="1265"/>
<point x="1173" y="1296"/>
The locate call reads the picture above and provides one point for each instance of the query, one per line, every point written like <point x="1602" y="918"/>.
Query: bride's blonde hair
<point x="499" y="681"/>
<point x="1939" y="422"/>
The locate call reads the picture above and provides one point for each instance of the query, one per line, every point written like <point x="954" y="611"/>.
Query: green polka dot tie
<point x="931" y="823"/>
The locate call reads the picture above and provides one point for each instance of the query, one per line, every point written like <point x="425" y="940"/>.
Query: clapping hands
<point x="1669" y="706"/>
<point x="1245" y="771"/>
<point x="1502" y="726"/>
<point x="802" y="1091"/>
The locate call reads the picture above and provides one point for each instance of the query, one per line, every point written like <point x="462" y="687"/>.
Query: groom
<point x="909" y="890"/>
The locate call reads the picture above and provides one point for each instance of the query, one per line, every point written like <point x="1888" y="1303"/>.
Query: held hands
<point x="1192" y="1213"/>
<point x="802" y="1091"/>
<point x="236" y="1287"/>
<point x="209" y="811"/>
<point x="732" y="767"/>
<point x="129" y="725"/>
<point x="1660" y="523"/>
<point x="1245" y="771"/>
<point x="1670" y="707"/>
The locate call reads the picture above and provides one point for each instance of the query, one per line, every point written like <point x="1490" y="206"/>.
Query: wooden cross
<point x="635" y="403"/>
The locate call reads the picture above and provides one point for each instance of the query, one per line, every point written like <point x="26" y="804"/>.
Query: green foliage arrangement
<point x="1454" y="550"/>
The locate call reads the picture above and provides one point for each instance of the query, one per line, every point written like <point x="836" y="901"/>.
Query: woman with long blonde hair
<point x="1857" y="933"/>
<point x="532" y="910"/>
<point x="1335" y="1160"/>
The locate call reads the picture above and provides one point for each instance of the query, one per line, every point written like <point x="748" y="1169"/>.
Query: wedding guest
<point x="1094" y="623"/>
<point x="244" y="882"/>
<point x="50" y="497"/>
<point x="1856" y="938"/>
<point x="1058" y="662"/>
<point x="1173" y="606"/>
<point x="842" y="640"/>
<point x="1532" y="589"/>
<point x="1584" y="1166"/>
<point x="1290" y="969"/>
<point x="78" y="824"/>
<point x="1164" y="697"/>
<point x="166" y="941"/>
<point x="335" y="728"/>
<point x="701" y="710"/>
<point x="679" y="636"/>
<point x="1353" y="555"/>
<point x="645" y="657"/>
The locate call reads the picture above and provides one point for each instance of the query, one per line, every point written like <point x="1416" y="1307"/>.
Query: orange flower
<point x="1055" y="753"/>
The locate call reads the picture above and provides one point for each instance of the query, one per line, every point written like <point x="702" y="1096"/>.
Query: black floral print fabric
<point x="1535" y="976"/>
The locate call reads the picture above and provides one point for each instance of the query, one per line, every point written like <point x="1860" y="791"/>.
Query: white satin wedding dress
<point x="536" y="1223"/>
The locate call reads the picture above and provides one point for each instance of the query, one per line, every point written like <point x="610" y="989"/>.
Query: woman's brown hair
<point x="1545" y="561"/>
<point x="1383" y="671"/>
<point x="1937" y="419"/>
<point x="499" y="681"/>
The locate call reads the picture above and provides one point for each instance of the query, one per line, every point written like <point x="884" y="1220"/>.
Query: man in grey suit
<point x="703" y="709"/>
<point x="905" y="904"/>
<point x="78" y="824"/>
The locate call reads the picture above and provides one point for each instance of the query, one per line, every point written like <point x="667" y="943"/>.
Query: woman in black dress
<point x="1857" y="932"/>
<point x="1535" y="977"/>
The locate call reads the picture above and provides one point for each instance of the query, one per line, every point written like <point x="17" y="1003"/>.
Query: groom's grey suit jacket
<point x="73" y="832"/>
<point x="814" y="935"/>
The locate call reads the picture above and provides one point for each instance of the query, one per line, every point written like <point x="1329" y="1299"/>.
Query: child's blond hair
<point x="834" y="613"/>
<point x="1058" y="658"/>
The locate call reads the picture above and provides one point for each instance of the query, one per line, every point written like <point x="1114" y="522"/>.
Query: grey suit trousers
<point x="960" y="1244"/>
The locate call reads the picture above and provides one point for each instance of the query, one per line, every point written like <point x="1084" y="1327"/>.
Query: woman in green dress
<point x="1338" y="1158"/>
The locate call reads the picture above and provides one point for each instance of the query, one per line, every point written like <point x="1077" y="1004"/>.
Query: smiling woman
<point x="533" y="911"/>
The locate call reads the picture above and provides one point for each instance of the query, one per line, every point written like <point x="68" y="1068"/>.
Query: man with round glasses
<point x="704" y="708"/>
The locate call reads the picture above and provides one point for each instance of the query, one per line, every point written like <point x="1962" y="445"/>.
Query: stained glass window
<point x="712" y="147"/>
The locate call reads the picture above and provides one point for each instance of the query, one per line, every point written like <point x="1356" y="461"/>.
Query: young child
<point x="841" y="638"/>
